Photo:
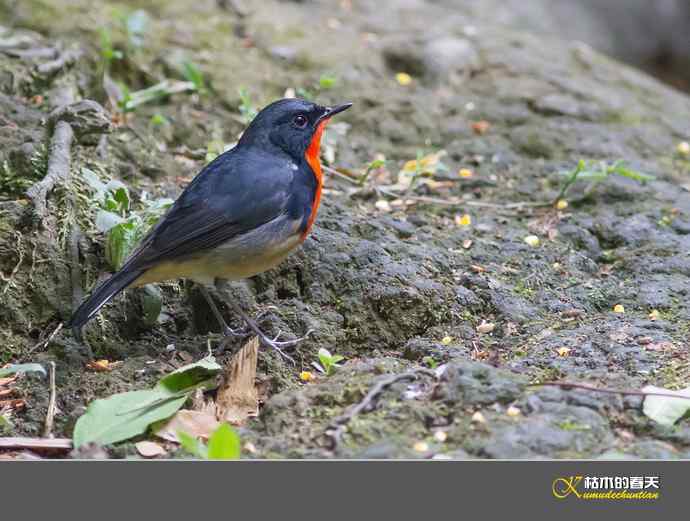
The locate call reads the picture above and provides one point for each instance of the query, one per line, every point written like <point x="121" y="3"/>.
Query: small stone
<point x="421" y="446"/>
<point x="467" y="244"/>
<point x="513" y="411"/>
<point x="478" y="417"/>
<point x="440" y="436"/>
<point x="532" y="240"/>
<point x="383" y="205"/>
<point x="486" y="327"/>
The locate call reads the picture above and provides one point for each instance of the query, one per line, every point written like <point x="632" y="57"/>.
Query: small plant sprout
<point x="248" y="110"/>
<point x="374" y="165"/>
<point x="223" y="444"/>
<point x="597" y="172"/>
<point x="327" y="363"/>
<point x="193" y="74"/>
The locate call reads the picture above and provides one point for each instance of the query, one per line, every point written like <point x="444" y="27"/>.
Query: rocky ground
<point x="394" y="284"/>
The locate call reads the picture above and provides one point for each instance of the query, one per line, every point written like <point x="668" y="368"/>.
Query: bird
<point x="242" y="215"/>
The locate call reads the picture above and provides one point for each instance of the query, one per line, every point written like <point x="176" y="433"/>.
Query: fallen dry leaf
<point x="237" y="398"/>
<point x="195" y="423"/>
<point x="102" y="366"/>
<point x="150" y="449"/>
<point x="563" y="351"/>
<point x="481" y="127"/>
<point x="486" y="327"/>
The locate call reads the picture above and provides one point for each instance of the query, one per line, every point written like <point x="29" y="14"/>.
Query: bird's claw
<point x="279" y="345"/>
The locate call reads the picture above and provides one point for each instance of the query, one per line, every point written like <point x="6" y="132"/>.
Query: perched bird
<point x="240" y="216"/>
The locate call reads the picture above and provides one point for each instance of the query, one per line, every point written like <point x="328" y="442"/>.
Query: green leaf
<point x="621" y="170"/>
<point x="224" y="443"/>
<point x="121" y="197"/>
<point x="22" y="368"/>
<point x="666" y="410"/>
<point x="327" y="81"/>
<point x="192" y="73"/>
<point x="190" y="375"/>
<point x="106" y="220"/>
<point x="192" y="445"/>
<point x="123" y="416"/>
<point x="152" y="304"/>
<point x="121" y="240"/>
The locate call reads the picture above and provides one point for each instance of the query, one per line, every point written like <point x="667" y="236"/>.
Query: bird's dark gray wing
<point x="232" y="195"/>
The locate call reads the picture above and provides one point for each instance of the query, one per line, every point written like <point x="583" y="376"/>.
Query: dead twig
<point x="586" y="387"/>
<point x="50" y="444"/>
<point x="339" y="175"/>
<point x="50" y="413"/>
<point x="44" y="343"/>
<point x="454" y="201"/>
<point x="335" y="429"/>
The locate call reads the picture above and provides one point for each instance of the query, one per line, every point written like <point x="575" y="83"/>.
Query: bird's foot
<point x="246" y="330"/>
<point x="279" y="345"/>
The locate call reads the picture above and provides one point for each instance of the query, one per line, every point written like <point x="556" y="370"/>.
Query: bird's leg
<point x="227" y="330"/>
<point x="272" y="343"/>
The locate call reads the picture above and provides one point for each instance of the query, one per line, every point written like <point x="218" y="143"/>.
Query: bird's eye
<point x="300" y="121"/>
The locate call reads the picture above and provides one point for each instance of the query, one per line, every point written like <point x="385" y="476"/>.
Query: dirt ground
<point x="391" y="283"/>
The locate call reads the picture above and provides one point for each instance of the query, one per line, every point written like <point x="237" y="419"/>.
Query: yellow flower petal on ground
<point x="563" y="351"/>
<point x="532" y="240"/>
<point x="618" y="308"/>
<point x="403" y="78"/>
<point x="306" y="376"/>
<point x="466" y="173"/>
<point x="446" y="340"/>
<point x="683" y="148"/>
<point x="562" y="204"/>
<point x="463" y="220"/>
<point x="654" y="314"/>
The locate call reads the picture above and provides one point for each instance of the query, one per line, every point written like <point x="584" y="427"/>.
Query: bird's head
<point x="294" y="125"/>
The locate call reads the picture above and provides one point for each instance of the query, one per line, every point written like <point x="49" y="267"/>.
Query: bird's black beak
<point x="332" y="111"/>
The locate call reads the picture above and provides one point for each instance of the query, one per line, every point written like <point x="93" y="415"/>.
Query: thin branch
<point x="51" y="444"/>
<point x="44" y="343"/>
<point x="586" y="387"/>
<point x="50" y="413"/>
<point x="461" y="202"/>
<point x="340" y="175"/>
<point x="335" y="429"/>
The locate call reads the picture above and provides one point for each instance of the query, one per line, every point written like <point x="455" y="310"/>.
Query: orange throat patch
<point x="312" y="157"/>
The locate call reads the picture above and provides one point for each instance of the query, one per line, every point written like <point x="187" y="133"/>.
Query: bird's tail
<point x="101" y="296"/>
